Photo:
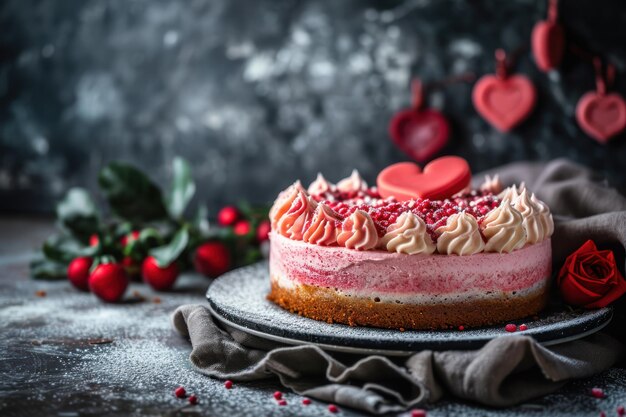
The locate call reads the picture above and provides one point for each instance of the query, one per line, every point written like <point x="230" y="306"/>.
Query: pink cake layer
<point x="410" y="278"/>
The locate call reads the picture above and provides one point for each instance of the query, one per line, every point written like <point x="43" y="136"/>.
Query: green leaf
<point x="167" y="254"/>
<point x="150" y="235"/>
<point x="182" y="190"/>
<point x="77" y="213"/>
<point x="64" y="248"/>
<point x="131" y="194"/>
<point x="46" y="269"/>
<point x="201" y="220"/>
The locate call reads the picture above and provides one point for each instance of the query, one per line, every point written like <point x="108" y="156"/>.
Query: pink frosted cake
<point x="342" y="253"/>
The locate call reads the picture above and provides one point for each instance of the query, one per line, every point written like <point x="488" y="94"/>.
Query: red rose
<point x="590" y="278"/>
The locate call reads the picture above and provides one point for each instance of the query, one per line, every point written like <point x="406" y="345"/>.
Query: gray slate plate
<point x="238" y="300"/>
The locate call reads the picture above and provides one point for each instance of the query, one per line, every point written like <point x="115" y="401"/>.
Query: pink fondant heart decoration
<point x="548" y="43"/>
<point x="504" y="101"/>
<point x="548" y="40"/>
<point x="601" y="116"/>
<point x="419" y="133"/>
<point x="440" y="179"/>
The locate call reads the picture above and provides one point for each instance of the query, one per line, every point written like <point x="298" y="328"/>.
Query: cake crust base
<point x="327" y="305"/>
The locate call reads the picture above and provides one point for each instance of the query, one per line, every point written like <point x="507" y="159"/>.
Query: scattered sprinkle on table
<point x="597" y="392"/>
<point x="510" y="328"/>
<point x="180" y="392"/>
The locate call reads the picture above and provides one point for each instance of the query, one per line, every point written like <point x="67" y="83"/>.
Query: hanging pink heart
<point x="504" y="102"/>
<point x="418" y="132"/>
<point x="548" y="40"/>
<point x="602" y="116"/>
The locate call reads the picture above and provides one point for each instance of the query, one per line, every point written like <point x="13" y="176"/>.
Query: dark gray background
<point x="258" y="93"/>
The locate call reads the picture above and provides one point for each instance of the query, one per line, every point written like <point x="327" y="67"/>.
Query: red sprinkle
<point x="418" y="413"/>
<point x="282" y="402"/>
<point x="461" y="328"/>
<point x="193" y="400"/>
<point x="602" y="414"/>
<point x="523" y="327"/>
<point x="333" y="408"/>
<point x="180" y="392"/>
<point x="621" y="411"/>
<point x="597" y="393"/>
<point x="510" y="328"/>
<point x="306" y="401"/>
<point x="228" y="384"/>
<point x="278" y="395"/>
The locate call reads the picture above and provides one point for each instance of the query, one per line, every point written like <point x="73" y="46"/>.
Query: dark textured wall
<point x="257" y="93"/>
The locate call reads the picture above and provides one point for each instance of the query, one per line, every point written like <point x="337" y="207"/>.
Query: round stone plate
<point x="237" y="299"/>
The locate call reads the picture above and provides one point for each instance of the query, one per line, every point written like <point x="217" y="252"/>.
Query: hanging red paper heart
<point x="548" y="40"/>
<point x="602" y="116"/>
<point x="440" y="179"/>
<point x="503" y="100"/>
<point x="418" y="132"/>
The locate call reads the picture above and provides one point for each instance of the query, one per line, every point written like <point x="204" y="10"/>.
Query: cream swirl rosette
<point x="283" y="202"/>
<point x="546" y="216"/>
<point x="503" y="227"/>
<point x="358" y="232"/>
<point x="319" y="186"/>
<point x="408" y="235"/>
<point x="460" y="236"/>
<point x="353" y="183"/>
<point x="537" y="223"/>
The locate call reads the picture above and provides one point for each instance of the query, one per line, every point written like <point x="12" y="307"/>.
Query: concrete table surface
<point x="68" y="354"/>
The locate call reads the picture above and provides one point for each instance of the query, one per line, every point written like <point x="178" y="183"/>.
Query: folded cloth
<point x="506" y="371"/>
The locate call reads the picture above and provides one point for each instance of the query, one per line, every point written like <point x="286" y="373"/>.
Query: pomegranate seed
<point x="621" y="411"/>
<point x="193" y="400"/>
<point x="461" y="328"/>
<point x="228" y="384"/>
<point x="510" y="328"/>
<point x="597" y="393"/>
<point x="180" y="392"/>
<point x="418" y="413"/>
<point x="333" y="408"/>
<point x="282" y="402"/>
<point x="602" y="414"/>
<point x="306" y="401"/>
<point x="523" y="327"/>
<point x="278" y="395"/>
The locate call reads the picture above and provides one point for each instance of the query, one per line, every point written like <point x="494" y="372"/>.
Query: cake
<point x="345" y="254"/>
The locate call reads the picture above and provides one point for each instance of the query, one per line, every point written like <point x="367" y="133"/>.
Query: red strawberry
<point x="78" y="272"/>
<point x="242" y="228"/>
<point x="160" y="279"/>
<point x="228" y="216"/>
<point x="263" y="231"/>
<point x="212" y="259"/>
<point x="94" y="240"/>
<point x="108" y="282"/>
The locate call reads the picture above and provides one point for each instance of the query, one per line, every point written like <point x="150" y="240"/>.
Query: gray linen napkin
<point x="507" y="370"/>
